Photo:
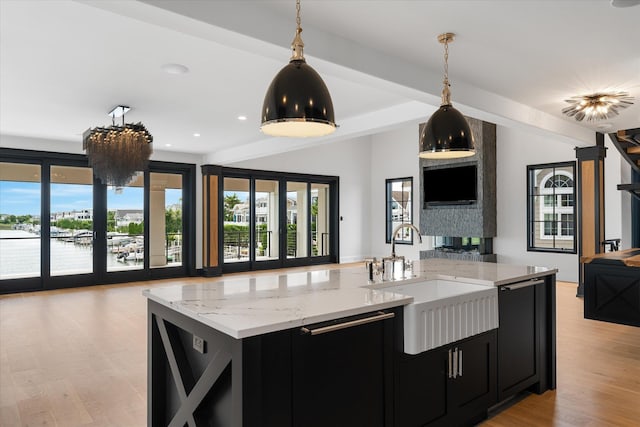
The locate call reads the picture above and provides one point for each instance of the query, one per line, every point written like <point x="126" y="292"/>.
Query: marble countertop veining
<point x="244" y="307"/>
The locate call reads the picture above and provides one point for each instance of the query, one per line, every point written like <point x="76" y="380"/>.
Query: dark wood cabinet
<point x="525" y="336"/>
<point x="343" y="375"/>
<point x="447" y="386"/>
<point x="612" y="289"/>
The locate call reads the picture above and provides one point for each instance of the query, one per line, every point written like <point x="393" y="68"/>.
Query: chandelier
<point x="116" y="153"/>
<point x="597" y="106"/>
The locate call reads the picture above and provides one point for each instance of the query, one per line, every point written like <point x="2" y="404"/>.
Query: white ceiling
<point x="64" y="64"/>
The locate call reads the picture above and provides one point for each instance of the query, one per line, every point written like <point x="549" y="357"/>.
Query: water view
<point x="20" y="255"/>
<point x="71" y="222"/>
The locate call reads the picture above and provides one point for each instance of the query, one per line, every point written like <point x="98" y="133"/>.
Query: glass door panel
<point x="297" y="219"/>
<point x="165" y="220"/>
<point x="20" y="245"/>
<point x="125" y="226"/>
<point x="320" y="214"/>
<point x="71" y="220"/>
<point x="237" y="214"/>
<point x="267" y="220"/>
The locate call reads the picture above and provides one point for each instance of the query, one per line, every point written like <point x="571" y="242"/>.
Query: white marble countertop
<point x="244" y="307"/>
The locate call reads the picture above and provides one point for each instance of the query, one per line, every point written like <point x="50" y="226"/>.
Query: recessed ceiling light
<point x="167" y="145"/>
<point x="175" y="69"/>
<point x="604" y="126"/>
<point x="196" y="134"/>
<point x="242" y="117"/>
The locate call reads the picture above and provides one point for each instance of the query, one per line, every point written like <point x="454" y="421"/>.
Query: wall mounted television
<point x="455" y="185"/>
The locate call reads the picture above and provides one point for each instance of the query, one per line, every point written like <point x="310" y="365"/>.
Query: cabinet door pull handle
<point x="449" y="375"/>
<point x="323" y="330"/>
<point x="521" y="285"/>
<point x="459" y="363"/>
<point x="455" y="363"/>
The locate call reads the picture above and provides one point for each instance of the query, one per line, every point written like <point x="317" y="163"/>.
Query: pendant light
<point x="297" y="103"/>
<point x="447" y="134"/>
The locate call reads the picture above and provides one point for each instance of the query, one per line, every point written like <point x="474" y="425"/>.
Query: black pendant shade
<point x="446" y="135"/>
<point x="297" y="103"/>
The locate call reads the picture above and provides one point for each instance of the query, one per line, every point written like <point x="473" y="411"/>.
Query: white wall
<point x="625" y="178"/>
<point x="394" y="154"/>
<point x="617" y="225"/>
<point x="350" y="160"/>
<point x="612" y="196"/>
<point x="515" y="149"/>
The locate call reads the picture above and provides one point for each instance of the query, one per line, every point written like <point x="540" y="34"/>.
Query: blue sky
<point x="23" y="198"/>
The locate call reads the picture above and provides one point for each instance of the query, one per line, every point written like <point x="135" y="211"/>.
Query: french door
<point x="273" y="220"/>
<point x="60" y="227"/>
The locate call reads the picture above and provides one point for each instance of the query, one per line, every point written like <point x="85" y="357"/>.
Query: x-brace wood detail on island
<point x="187" y="383"/>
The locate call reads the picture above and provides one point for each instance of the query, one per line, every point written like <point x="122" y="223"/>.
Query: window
<point x="399" y="209"/>
<point x="567" y="225"/>
<point x="20" y="220"/>
<point x="60" y="227"/>
<point x="551" y="208"/>
<point x="550" y="224"/>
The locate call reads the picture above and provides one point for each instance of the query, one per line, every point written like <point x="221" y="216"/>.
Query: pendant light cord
<point x="297" y="45"/>
<point x="446" y="92"/>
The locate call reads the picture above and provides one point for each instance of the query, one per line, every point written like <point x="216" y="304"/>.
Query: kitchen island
<point x="327" y="348"/>
<point x="612" y="286"/>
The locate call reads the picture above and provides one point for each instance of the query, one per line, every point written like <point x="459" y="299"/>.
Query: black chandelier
<point x="297" y="103"/>
<point x="116" y="153"/>
<point x="447" y="134"/>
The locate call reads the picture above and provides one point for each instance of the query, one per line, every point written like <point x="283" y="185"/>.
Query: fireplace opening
<point x="462" y="245"/>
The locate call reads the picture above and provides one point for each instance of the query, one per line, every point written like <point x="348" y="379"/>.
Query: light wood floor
<point x="78" y="358"/>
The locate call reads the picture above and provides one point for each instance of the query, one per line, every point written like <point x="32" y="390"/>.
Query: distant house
<point x="124" y="217"/>
<point x="241" y="211"/>
<point x="399" y="208"/>
<point x="76" y="215"/>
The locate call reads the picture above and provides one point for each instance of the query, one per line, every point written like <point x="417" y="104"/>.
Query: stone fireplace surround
<point x="456" y="221"/>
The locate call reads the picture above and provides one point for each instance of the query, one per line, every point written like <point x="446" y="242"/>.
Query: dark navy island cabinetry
<point x="343" y="364"/>
<point x="341" y="377"/>
<point x="526" y="337"/>
<point x="450" y="385"/>
<point x="612" y="286"/>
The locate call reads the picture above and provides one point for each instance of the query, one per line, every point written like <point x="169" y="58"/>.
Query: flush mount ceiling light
<point x="447" y="134"/>
<point x="624" y="3"/>
<point x="297" y="103"/>
<point x="116" y="153"/>
<point x="597" y="106"/>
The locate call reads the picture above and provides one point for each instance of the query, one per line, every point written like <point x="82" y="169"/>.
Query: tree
<point x="135" y="229"/>
<point x="230" y="200"/>
<point x="173" y="222"/>
<point x="111" y="220"/>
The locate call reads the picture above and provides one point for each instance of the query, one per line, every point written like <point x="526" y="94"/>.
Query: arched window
<point x="559" y="181"/>
<point x="551" y="215"/>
